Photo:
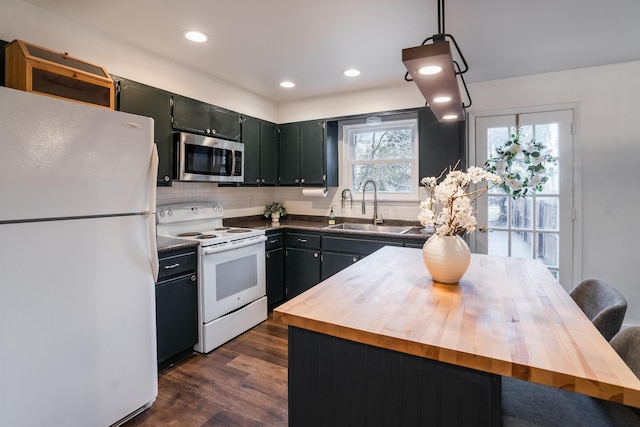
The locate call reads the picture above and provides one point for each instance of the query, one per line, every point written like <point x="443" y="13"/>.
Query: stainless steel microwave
<point x="204" y="158"/>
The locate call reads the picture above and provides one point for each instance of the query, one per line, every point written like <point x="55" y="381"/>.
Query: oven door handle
<point x="208" y="250"/>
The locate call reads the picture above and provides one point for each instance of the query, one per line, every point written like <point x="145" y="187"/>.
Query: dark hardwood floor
<point x="241" y="383"/>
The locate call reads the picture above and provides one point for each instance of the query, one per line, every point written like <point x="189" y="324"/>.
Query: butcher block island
<point x="380" y="343"/>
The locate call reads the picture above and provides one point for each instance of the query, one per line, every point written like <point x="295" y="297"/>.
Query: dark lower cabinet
<point x="176" y="306"/>
<point x="303" y="270"/>
<point x="333" y="262"/>
<point x="275" y="268"/>
<point x="176" y="316"/>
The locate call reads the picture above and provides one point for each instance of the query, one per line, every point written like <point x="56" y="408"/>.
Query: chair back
<point x="602" y="304"/>
<point x="627" y="344"/>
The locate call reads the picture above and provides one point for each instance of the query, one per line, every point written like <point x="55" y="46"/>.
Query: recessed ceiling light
<point x="195" y="36"/>
<point x="351" y="72"/>
<point x="287" y="84"/>
<point x="431" y="69"/>
<point x="374" y="120"/>
<point x="442" y="99"/>
<point x="450" y="116"/>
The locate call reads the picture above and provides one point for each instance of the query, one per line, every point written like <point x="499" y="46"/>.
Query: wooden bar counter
<point x="380" y="343"/>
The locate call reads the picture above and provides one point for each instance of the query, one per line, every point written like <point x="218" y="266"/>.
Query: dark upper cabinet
<point x="137" y="98"/>
<point x="441" y="144"/>
<point x="304" y="154"/>
<point x="191" y="115"/>
<point x="261" y="151"/>
<point x="289" y="154"/>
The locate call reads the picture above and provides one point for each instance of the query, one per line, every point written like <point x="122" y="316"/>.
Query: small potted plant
<point x="274" y="211"/>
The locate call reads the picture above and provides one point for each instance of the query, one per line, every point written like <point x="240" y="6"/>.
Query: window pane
<point x="547" y="212"/>
<point x="547" y="248"/>
<point x="498" y="242"/>
<point x="548" y="134"/>
<point x="522" y="213"/>
<point x="496" y="137"/>
<point x="521" y="244"/>
<point x="382" y="145"/>
<point x="498" y="211"/>
<point x="389" y="177"/>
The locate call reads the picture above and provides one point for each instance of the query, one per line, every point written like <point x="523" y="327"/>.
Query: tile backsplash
<point x="246" y="201"/>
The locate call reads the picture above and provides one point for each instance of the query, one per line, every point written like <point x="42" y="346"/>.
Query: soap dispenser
<point x="332" y="218"/>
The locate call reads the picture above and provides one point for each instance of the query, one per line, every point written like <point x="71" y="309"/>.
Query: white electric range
<point x="231" y="270"/>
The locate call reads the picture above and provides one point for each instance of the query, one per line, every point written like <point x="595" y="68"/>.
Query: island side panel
<point x="333" y="381"/>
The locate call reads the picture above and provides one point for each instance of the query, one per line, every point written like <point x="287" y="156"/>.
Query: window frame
<point x="347" y="128"/>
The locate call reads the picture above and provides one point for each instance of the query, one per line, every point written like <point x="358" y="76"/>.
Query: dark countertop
<point x="317" y="223"/>
<point x="166" y="244"/>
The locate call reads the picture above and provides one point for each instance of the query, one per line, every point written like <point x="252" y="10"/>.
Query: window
<point x="386" y="153"/>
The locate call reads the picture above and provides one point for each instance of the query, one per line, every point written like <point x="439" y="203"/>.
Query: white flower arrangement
<point x="524" y="166"/>
<point x="448" y="207"/>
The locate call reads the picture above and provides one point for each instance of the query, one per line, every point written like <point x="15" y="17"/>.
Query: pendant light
<point x="432" y="67"/>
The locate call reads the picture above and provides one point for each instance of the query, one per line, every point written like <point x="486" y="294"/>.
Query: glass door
<point x="538" y="226"/>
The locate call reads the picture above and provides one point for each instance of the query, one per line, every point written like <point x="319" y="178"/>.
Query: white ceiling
<point x="255" y="44"/>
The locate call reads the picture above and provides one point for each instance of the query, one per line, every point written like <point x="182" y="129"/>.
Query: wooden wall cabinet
<point x="39" y="70"/>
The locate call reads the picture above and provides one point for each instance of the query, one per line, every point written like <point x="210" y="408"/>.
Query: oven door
<point x="203" y="158"/>
<point x="231" y="278"/>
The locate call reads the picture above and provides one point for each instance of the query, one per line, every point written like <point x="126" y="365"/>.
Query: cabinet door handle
<point x="315" y="254"/>
<point x="355" y="259"/>
<point x="169" y="267"/>
<point x="193" y="277"/>
<point x="273" y="241"/>
<point x="297" y="180"/>
<point x="302" y="240"/>
<point x="302" y="180"/>
<point x="268" y="256"/>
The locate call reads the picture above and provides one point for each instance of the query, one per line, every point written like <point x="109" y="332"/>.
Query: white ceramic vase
<point x="446" y="258"/>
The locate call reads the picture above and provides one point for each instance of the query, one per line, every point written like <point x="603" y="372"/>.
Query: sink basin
<point x="370" y="228"/>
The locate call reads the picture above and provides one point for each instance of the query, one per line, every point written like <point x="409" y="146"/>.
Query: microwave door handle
<point x="233" y="162"/>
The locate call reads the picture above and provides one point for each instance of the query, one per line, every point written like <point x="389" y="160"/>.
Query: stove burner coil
<point x="189" y="234"/>
<point x="221" y="229"/>
<point x="238" y="230"/>
<point x="206" y="236"/>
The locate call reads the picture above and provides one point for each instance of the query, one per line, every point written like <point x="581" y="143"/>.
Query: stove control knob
<point x="169" y="212"/>
<point x="161" y="213"/>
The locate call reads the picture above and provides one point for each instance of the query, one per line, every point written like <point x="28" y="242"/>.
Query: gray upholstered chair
<point x="602" y="304"/>
<point x="529" y="404"/>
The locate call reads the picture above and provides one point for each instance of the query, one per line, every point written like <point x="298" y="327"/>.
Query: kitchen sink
<point x="370" y="228"/>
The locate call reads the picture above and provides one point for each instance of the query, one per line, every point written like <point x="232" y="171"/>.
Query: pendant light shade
<point x="440" y="89"/>
<point x="432" y="67"/>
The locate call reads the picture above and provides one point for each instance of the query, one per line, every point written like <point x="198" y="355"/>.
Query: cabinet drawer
<point x="274" y="241"/>
<point x="357" y="246"/>
<point x="177" y="264"/>
<point x="302" y="240"/>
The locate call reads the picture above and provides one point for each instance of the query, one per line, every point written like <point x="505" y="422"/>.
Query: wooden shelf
<point x="39" y="70"/>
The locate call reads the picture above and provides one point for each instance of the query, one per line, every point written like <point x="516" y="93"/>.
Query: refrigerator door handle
<point x="151" y="217"/>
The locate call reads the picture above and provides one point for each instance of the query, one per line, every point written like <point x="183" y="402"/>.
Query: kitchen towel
<point x="314" y="192"/>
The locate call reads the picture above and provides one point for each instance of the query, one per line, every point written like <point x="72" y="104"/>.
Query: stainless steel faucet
<point x="376" y="219"/>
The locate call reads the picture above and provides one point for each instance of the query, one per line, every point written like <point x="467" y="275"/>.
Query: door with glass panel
<point x="539" y="226"/>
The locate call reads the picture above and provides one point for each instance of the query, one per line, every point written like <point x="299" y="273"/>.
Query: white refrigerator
<point x="78" y="263"/>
